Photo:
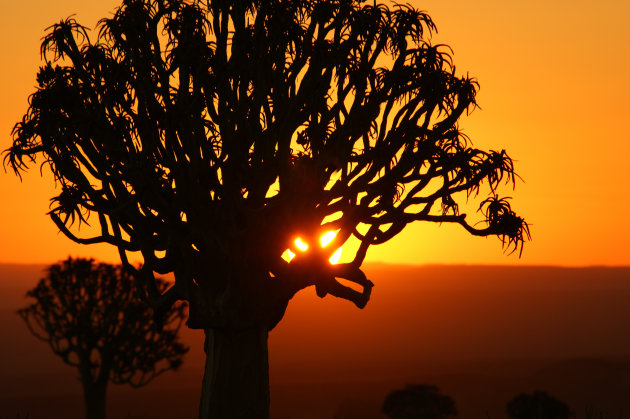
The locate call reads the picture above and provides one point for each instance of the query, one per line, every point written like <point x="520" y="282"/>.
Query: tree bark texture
<point x="236" y="377"/>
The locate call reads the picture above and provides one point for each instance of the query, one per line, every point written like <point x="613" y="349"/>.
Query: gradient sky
<point x="554" y="93"/>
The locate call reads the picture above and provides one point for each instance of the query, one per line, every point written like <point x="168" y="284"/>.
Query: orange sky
<point x="554" y="94"/>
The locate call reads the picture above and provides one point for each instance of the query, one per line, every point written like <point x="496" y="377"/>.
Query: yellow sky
<point x="554" y="93"/>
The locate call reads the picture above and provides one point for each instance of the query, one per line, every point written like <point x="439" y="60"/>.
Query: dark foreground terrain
<point x="482" y="334"/>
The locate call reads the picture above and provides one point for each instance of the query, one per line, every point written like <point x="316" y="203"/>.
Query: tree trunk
<point x="94" y="396"/>
<point x="236" y="377"/>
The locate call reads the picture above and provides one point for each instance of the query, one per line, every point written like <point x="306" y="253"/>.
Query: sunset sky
<point x="555" y="83"/>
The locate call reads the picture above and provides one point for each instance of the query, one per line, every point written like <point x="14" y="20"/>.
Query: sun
<point x="324" y="240"/>
<point x="301" y="245"/>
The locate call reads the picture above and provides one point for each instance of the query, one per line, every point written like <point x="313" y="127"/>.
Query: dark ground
<point x="481" y="334"/>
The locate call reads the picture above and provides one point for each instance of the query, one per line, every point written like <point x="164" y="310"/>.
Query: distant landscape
<point x="482" y="334"/>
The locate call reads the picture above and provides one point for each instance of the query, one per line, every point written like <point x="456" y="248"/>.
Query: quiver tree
<point x="205" y="137"/>
<point x="92" y="317"/>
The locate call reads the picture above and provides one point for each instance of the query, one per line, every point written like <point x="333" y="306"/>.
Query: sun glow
<point x="300" y="244"/>
<point x="324" y="240"/>
<point x="335" y="257"/>
<point x="327" y="238"/>
<point x="288" y="255"/>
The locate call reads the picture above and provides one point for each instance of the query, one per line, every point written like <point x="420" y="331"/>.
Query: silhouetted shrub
<point x="538" y="405"/>
<point x="419" y="402"/>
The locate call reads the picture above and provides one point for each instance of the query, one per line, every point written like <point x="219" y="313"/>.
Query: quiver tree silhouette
<point x="538" y="405"/>
<point x="419" y="402"/>
<point x="91" y="316"/>
<point x="206" y="136"/>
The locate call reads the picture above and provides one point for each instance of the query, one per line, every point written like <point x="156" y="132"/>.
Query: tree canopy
<point x="206" y="136"/>
<point x="91" y="316"/>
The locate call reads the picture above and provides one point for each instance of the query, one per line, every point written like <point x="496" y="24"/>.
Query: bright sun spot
<point x="288" y="255"/>
<point x="300" y="244"/>
<point x="327" y="238"/>
<point x="335" y="257"/>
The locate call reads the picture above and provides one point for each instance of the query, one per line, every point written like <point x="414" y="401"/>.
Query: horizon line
<point x="402" y="265"/>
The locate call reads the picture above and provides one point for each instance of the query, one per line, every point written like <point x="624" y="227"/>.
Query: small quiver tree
<point x="91" y="316"/>
<point x="419" y="402"/>
<point x="206" y="136"/>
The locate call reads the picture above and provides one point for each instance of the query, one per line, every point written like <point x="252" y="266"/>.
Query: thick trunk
<point x="94" y="396"/>
<point x="236" y="377"/>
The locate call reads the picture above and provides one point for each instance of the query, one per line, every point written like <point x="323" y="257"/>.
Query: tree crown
<point x="208" y="133"/>
<point x="92" y="317"/>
